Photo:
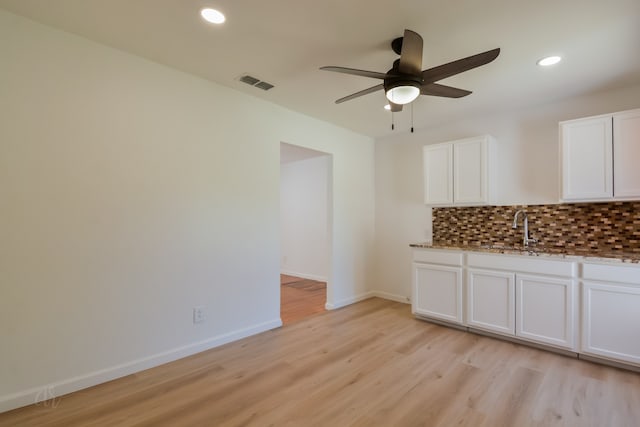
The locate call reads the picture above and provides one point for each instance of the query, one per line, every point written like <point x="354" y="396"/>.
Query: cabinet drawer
<point x="627" y="273"/>
<point x="523" y="264"/>
<point x="437" y="257"/>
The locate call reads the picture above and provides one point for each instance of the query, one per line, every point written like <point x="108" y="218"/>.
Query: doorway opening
<point x="305" y="231"/>
<point x="300" y="298"/>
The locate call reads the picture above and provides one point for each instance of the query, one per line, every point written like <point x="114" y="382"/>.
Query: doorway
<point x="300" y="298"/>
<point x="305" y="224"/>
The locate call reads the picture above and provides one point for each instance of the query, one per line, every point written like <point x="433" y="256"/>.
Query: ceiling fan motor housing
<point x="402" y="89"/>
<point x="402" y="80"/>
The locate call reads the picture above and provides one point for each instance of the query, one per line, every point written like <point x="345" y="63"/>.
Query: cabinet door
<point x="438" y="174"/>
<point x="545" y="310"/>
<point x="611" y="321"/>
<point x="626" y="153"/>
<point x="491" y="301"/>
<point x="586" y="151"/>
<point x="470" y="171"/>
<point x="437" y="292"/>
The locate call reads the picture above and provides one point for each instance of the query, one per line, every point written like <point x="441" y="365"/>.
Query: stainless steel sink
<point x="520" y="248"/>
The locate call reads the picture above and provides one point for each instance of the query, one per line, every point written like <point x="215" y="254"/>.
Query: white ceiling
<point x="285" y="42"/>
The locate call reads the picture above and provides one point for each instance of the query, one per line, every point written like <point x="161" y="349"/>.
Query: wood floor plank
<point x="300" y="298"/>
<point x="369" y="364"/>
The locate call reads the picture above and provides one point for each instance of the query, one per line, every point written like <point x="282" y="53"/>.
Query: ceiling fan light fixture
<point x="213" y="16"/>
<point x="403" y="93"/>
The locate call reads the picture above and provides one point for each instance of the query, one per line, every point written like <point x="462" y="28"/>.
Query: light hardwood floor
<point x="300" y="298"/>
<point x="369" y="364"/>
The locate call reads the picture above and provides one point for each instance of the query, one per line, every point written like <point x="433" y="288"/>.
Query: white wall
<point x="303" y="218"/>
<point x="130" y="193"/>
<point x="526" y="173"/>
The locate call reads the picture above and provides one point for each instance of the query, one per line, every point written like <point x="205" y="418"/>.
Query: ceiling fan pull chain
<point x="412" y="117"/>
<point x="392" y="125"/>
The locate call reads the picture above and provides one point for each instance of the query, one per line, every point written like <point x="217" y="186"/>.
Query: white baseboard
<point x="51" y="391"/>
<point x="348" y="301"/>
<point x="364" y="296"/>
<point x="304" y="275"/>
<point x="391" y="297"/>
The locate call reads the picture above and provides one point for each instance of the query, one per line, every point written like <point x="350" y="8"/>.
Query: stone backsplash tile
<point x="580" y="228"/>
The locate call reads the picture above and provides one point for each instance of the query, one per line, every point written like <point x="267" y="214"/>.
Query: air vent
<point x="250" y="80"/>
<point x="264" y="85"/>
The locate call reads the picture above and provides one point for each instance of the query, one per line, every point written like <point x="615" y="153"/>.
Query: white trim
<point x="51" y="391"/>
<point x="348" y="301"/>
<point x="304" y="275"/>
<point x="391" y="297"/>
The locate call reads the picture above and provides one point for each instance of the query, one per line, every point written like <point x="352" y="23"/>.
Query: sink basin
<point x="519" y="248"/>
<point x="515" y="248"/>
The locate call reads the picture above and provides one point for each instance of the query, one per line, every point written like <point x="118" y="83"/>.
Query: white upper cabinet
<point x="587" y="153"/>
<point x="457" y="172"/>
<point x="599" y="156"/>
<point x="438" y="174"/>
<point x="626" y="155"/>
<point x="470" y="171"/>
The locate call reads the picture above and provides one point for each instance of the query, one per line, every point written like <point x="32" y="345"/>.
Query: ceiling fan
<point x="405" y="80"/>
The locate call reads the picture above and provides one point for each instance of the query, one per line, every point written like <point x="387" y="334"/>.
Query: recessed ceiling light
<point x="387" y="107"/>
<point x="212" y="15"/>
<point x="549" y="60"/>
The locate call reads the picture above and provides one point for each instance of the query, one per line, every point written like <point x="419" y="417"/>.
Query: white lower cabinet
<point x="545" y="310"/>
<point x="532" y="307"/>
<point x="535" y="299"/>
<point x="491" y="301"/>
<point x="437" y="292"/>
<point x="611" y="311"/>
<point x="507" y="295"/>
<point x="611" y="321"/>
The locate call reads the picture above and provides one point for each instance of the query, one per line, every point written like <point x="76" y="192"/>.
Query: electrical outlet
<point x="198" y="314"/>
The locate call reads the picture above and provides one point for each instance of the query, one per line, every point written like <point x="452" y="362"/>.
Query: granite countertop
<point x="625" y="257"/>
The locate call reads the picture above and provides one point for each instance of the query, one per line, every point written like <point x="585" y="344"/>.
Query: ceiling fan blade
<point x="452" y="68"/>
<point x="411" y="56"/>
<point x="435" y="89"/>
<point x="362" y="92"/>
<point x="395" y="107"/>
<point x="355" y="72"/>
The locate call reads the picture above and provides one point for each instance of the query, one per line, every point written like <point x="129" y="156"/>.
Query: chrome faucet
<point x="525" y="240"/>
